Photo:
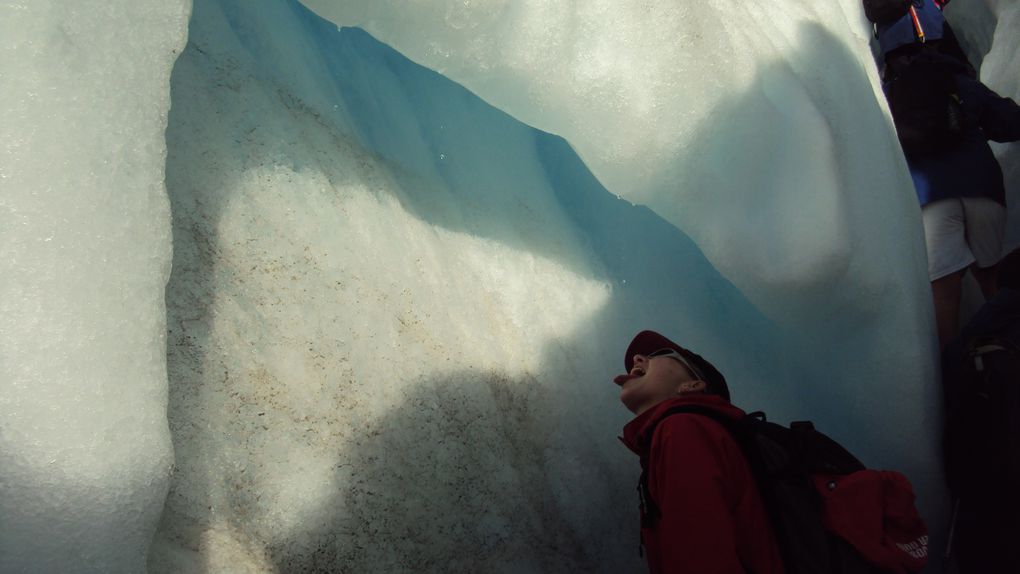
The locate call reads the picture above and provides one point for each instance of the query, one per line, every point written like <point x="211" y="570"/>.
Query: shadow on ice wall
<point x="394" y="314"/>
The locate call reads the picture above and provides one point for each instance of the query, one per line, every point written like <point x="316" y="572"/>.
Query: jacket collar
<point x="634" y="432"/>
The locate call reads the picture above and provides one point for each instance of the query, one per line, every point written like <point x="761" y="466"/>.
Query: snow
<point x="397" y="300"/>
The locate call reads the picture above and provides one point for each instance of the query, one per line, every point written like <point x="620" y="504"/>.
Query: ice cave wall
<point x="85" y="451"/>
<point x="343" y="217"/>
<point x="394" y="315"/>
<point x="394" y="310"/>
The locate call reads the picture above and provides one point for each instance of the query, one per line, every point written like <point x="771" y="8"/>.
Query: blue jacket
<point x="970" y="168"/>
<point x="902" y="32"/>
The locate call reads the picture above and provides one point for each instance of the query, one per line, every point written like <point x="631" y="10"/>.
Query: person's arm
<point x="1001" y="121"/>
<point x="999" y="117"/>
<point x="688" y="480"/>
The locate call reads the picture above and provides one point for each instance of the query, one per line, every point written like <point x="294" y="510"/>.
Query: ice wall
<point x="394" y="315"/>
<point x="85" y="452"/>
<point x="395" y="310"/>
<point x="654" y="95"/>
<point x="757" y="129"/>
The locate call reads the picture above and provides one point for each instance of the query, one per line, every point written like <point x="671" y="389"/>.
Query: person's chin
<point x="629" y="400"/>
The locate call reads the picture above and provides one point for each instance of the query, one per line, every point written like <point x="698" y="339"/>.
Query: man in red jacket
<point x="701" y="512"/>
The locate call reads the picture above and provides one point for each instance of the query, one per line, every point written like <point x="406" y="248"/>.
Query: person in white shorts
<point x="944" y="119"/>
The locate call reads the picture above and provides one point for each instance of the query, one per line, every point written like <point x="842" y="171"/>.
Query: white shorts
<point x="962" y="231"/>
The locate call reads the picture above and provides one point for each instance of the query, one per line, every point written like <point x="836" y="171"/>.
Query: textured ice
<point x="393" y="314"/>
<point x="395" y="309"/>
<point x="654" y="96"/>
<point x="85" y="452"/>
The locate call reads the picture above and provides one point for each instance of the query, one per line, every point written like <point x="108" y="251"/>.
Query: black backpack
<point x="926" y="109"/>
<point x="982" y="448"/>
<point x="783" y="461"/>
<point x="982" y="437"/>
<point x="885" y="11"/>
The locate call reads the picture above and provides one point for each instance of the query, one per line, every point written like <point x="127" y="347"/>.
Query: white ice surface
<point x="654" y="96"/>
<point x="85" y="452"/>
<point x="394" y="309"/>
<point x="1000" y="70"/>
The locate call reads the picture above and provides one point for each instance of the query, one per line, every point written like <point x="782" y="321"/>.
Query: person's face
<point x="653" y="380"/>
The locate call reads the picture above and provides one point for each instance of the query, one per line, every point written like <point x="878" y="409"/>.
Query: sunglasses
<point x="672" y="354"/>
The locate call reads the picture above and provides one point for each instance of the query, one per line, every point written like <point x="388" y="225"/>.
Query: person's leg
<point x="948" y="259"/>
<point x="946" y="291"/>
<point x="987" y="279"/>
<point x="985" y="229"/>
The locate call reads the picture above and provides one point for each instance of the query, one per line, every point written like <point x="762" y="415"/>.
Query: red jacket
<point x="712" y="520"/>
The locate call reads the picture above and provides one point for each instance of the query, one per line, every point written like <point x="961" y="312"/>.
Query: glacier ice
<point x="84" y="258"/>
<point x="398" y="300"/>
<point x="395" y="309"/>
<point x="653" y="97"/>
